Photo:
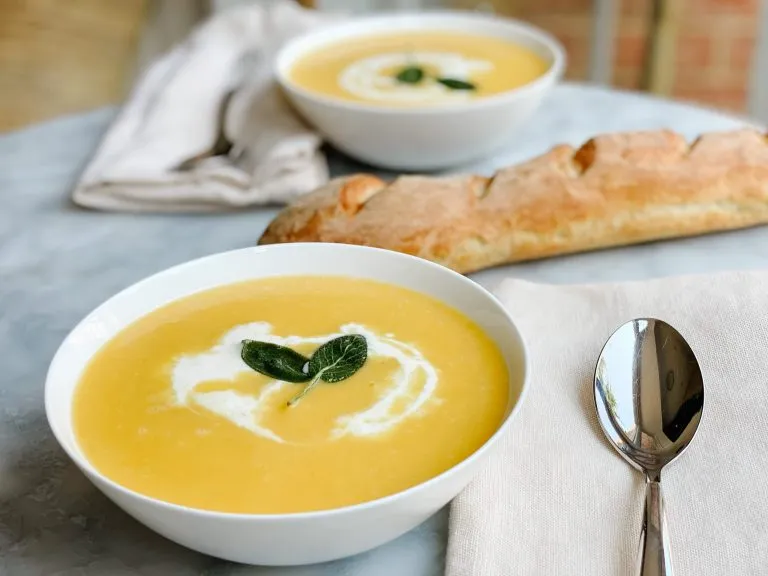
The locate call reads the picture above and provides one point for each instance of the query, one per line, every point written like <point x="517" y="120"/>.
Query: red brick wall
<point x="713" y="50"/>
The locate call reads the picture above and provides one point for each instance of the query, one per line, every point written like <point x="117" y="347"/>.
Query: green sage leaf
<point x="338" y="359"/>
<point x="276" y="361"/>
<point x="334" y="361"/>
<point x="410" y="75"/>
<point x="455" y="84"/>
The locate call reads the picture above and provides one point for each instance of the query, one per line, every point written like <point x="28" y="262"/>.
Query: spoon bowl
<point x="649" y="396"/>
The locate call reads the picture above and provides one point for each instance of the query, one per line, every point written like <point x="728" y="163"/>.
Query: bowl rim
<point x="87" y="468"/>
<point x="283" y="60"/>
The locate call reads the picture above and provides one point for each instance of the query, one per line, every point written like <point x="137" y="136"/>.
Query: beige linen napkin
<point x="557" y="500"/>
<point x="173" y="114"/>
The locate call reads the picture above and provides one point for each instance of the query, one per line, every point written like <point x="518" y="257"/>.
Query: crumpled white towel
<point x="173" y="114"/>
<point x="557" y="500"/>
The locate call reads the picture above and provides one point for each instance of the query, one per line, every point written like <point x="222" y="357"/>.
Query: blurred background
<point x="58" y="57"/>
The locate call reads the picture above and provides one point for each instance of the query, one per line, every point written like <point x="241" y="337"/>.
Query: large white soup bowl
<point x="282" y="539"/>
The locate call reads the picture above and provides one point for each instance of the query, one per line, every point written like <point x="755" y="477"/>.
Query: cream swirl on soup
<point x="407" y="392"/>
<point x="373" y="78"/>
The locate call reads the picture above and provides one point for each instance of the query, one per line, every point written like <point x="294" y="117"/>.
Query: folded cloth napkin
<point x="556" y="499"/>
<point x="224" y="69"/>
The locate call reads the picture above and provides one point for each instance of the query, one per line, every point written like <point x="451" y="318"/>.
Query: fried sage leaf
<point x="410" y="75"/>
<point x="338" y="359"/>
<point x="334" y="361"/>
<point x="455" y="84"/>
<point x="278" y="362"/>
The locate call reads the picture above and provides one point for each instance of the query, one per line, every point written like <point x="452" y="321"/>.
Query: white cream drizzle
<point x="371" y="78"/>
<point x="410" y="386"/>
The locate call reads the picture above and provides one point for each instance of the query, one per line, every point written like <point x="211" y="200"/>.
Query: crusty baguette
<point x="616" y="189"/>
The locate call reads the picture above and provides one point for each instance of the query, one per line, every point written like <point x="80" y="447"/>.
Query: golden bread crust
<point x="614" y="190"/>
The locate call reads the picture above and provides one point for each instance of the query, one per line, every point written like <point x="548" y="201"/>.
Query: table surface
<point x="58" y="262"/>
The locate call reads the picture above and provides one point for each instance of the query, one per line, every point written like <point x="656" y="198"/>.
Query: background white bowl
<point x="423" y="138"/>
<point x="282" y="539"/>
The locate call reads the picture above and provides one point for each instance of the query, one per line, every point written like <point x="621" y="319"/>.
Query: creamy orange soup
<point x="170" y="408"/>
<point x="417" y="68"/>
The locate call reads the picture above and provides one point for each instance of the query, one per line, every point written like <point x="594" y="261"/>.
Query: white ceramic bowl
<point x="422" y="138"/>
<point x="283" y="539"/>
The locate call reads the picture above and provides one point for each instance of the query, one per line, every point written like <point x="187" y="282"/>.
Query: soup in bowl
<point x="287" y="404"/>
<point x="420" y="91"/>
<point x="418" y="68"/>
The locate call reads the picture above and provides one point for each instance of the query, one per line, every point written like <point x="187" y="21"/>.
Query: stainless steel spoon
<point x="649" y="396"/>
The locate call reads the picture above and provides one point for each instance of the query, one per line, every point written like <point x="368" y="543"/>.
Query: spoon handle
<point x="654" y="558"/>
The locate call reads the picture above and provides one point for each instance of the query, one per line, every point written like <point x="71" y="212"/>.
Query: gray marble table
<point x="57" y="262"/>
